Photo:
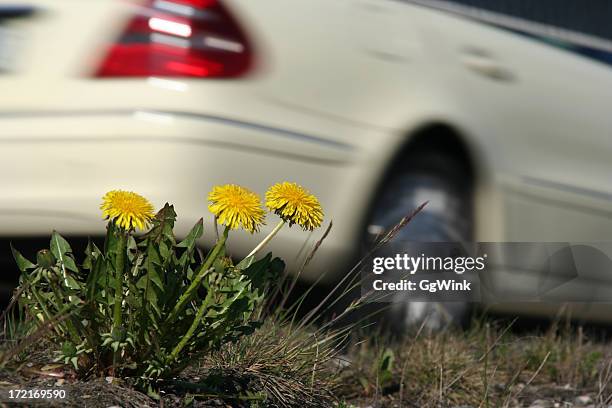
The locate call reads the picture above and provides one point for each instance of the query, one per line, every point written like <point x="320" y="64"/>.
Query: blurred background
<point x="496" y="112"/>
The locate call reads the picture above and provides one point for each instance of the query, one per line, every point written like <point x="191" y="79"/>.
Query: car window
<point x="578" y="26"/>
<point x="591" y="17"/>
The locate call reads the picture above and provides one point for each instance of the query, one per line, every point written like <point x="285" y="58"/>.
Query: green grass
<point x="488" y="365"/>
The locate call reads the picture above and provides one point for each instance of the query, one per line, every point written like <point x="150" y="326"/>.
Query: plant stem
<point x="197" y="279"/>
<point x="196" y="322"/>
<point x="216" y="227"/>
<point x="267" y="239"/>
<point x="192" y="329"/>
<point x="69" y="324"/>
<point x="120" y="265"/>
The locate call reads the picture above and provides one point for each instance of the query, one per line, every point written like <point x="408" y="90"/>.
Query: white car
<point x="495" y="112"/>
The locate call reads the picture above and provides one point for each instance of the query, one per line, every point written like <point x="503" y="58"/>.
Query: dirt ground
<point x="110" y="393"/>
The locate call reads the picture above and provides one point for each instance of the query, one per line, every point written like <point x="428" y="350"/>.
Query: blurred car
<point x="496" y="112"/>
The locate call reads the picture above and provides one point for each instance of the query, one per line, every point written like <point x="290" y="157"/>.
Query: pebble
<point x="541" y="404"/>
<point x="583" y="400"/>
<point x="341" y="362"/>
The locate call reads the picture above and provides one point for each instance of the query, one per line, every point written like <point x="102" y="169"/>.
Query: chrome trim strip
<point x="601" y="195"/>
<point x="285" y="133"/>
<point x="563" y="204"/>
<point x="186" y="140"/>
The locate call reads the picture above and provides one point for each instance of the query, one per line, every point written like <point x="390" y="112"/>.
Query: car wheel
<point x="445" y="183"/>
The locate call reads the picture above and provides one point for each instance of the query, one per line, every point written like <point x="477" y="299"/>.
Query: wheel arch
<point x="437" y="136"/>
<point x="433" y="135"/>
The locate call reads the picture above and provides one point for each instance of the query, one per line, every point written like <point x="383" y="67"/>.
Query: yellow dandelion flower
<point x="295" y="205"/>
<point x="235" y="206"/>
<point x="128" y="210"/>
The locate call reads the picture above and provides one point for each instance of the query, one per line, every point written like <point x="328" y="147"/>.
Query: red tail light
<point x="180" y="38"/>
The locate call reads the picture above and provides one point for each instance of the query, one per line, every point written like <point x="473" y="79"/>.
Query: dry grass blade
<point x="397" y="228"/>
<point x="484" y="355"/>
<point x="304" y="265"/>
<point x="31" y="339"/>
<point x="12" y="303"/>
<point x="534" y="375"/>
<point x="352" y="273"/>
<point x="603" y="382"/>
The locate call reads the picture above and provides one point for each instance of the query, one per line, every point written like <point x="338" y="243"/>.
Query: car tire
<point x="446" y="184"/>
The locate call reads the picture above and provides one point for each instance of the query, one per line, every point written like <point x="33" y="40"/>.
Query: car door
<point x="539" y="77"/>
